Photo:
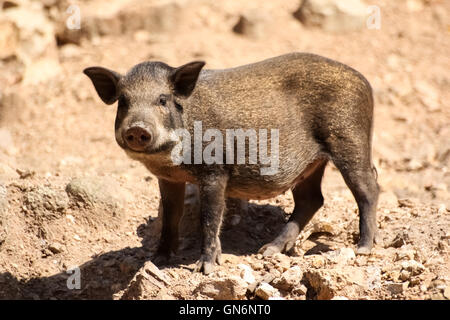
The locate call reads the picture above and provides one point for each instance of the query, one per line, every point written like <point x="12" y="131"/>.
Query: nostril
<point x="145" y="138"/>
<point x="130" y="137"/>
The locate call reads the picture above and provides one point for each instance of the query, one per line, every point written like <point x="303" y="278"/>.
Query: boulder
<point x="333" y="15"/>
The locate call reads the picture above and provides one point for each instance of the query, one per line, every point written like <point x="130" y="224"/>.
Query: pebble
<point x="266" y="291"/>
<point x="246" y="273"/>
<point x="412" y="266"/>
<point x="447" y="292"/>
<point x="397" y="288"/>
<point x="316" y="261"/>
<point x="289" y="279"/>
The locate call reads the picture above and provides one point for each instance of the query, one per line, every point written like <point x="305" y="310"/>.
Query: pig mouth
<point x="163" y="148"/>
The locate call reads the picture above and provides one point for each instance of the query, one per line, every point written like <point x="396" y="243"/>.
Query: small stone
<point x="400" y="240"/>
<point x="333" y="15"/>
<point x="407" y="202"/>
<point x="266" y="291"/>
<point x="404" y="275"/>
<point x="257" y="265"/>
<point x="324" y="226"/>
<point x="300" y="290"/>
<point x="447" y="292"/>
<point x="153" y="270"/>
<point x="77" y="237"/>
<point x="232" y="288"/>
<point x="321" y="283"/>
<point x="405" y="254"/>
<point x="414" y="267"/>
<point x="282" y="261"/>
<point x="56" y="248"/>
<point x="247" y="273"/>
<point x="397" y="288"/>
<point x="289" y="279"/>
<point x="342" y="256"/>
<point x="316" y="260"/>
<point x="252" y="24"/>
<point x="442" y="208"/>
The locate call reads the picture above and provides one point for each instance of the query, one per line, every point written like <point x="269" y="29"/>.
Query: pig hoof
<point x="363" y="250"/>
<point x="204" y="266"/>
<point x="269" y="250"/>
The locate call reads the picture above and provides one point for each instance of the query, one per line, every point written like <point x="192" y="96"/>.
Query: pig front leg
<point x="172" y="200"/>
<point x="212" y="204"/>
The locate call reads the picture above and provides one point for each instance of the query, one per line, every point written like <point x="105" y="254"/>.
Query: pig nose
<point x="137" y="138"/>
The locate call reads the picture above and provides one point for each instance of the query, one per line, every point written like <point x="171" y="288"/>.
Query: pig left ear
<point x="184" y="78"/>
<point x="105" y="83"/>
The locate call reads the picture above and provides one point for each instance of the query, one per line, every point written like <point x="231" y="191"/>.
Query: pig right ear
<point x="105" y="83"/>
<point x="184" y="78"/>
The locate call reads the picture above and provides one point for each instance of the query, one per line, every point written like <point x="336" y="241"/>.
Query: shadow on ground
<point x="111" y="272"/>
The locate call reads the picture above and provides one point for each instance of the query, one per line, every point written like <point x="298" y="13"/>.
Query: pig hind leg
<point x="353" y="160"/>
<point x="308" y="200"/>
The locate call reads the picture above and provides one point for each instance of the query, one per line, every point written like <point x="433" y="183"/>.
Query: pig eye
<point x="162" y="100"/>
<point x="123" y="103"/>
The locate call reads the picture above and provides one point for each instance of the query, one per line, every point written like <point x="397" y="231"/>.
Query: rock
<point x="412" y="266"/>
<point x="397" y="288"/>
<point x="404" y="275"/>
<point x="442" y="209"/>
<point x="265" y="291"/>
<point x="316" y="261"/>
<point x="251" y="24"/>
<point x="447" y="292"/>
<point x="321" y="283"/>
<point x="45" y="203"/>
<point x="231" y="288"/>
<point x="56" y="248"/>
<point x="145" y="285"/>
<point x="9" y="39"/>
<point x="339" y="298"/>
<point x="153" y="270"/>
<point x="289" y="279"/>
<point x="247" y="273"/>
<point x="333" y="15"/>
<point x="300" y="290"/>
<point x="281" y="261"/>
<point x="405" y="253"/>
<point x="324" y="226"/>
<point x="342" y="256"/>
<point x="408" y="202"/>
<point x="34" y="45"/>
<point x="400" y="239"/>
<point x="98" y="191"/>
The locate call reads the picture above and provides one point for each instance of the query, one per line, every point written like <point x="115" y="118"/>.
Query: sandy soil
<point x="58" y="132"/>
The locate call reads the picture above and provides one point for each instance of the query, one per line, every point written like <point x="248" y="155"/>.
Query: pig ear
<point x="184" y="78"/>
<point x="105" y="83"/>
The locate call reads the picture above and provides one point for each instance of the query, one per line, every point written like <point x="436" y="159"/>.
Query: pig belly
<point x="260" y="187"/>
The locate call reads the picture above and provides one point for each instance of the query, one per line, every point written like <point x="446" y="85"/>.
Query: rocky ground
<point x="71" y="202"/>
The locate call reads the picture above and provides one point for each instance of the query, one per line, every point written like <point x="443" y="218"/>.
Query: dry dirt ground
<point x="70" y="198"/>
